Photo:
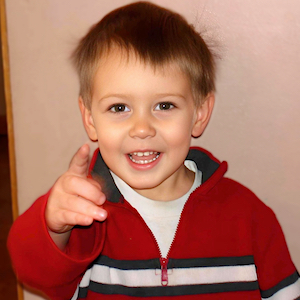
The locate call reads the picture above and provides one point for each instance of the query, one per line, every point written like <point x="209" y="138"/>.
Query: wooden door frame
<point x="10" y="123"/>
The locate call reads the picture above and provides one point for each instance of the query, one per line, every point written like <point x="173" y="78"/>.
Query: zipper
<point x="164" y="271"/>
<point x="163" y="260"/>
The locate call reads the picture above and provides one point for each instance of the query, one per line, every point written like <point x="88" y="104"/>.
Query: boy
<point x="153" y="218"/>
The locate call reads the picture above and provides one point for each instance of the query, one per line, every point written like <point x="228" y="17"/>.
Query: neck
<point x="172" y="188"/>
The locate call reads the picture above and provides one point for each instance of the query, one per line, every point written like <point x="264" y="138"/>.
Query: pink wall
<point x="255" y="126"/>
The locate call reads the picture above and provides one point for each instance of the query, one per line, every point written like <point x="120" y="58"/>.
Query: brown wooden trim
<point x="9" y="115"/>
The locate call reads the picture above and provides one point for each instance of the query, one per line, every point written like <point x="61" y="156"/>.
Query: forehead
<point x="122" y="66"/>
<point x="126" y="58"/>
<point x="129" y="78"/>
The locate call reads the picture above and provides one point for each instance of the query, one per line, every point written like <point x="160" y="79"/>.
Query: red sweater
<point x="228" y="245"/>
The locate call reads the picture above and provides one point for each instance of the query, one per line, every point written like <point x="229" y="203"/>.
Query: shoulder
<point x="234" y="194"/>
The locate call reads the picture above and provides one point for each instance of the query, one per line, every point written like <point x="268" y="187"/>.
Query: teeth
<point x="140" y="154"/>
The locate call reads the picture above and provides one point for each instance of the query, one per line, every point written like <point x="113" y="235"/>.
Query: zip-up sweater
<point x="228" y="245"/>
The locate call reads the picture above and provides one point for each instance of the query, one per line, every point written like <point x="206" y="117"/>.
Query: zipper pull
<point x="164" y="271"/>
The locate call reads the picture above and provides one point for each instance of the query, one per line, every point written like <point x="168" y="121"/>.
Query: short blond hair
<point x="157" y="36"/>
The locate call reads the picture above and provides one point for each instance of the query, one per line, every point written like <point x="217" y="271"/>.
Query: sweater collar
<point x="210" y="167"/>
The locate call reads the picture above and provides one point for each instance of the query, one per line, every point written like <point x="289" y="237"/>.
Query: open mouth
<point x="144" y="157"/>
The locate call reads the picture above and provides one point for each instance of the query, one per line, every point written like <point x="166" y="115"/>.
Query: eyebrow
<point x="158" y="95"/>
<point x="163" y="95"/>
<point x="113" y="96"/>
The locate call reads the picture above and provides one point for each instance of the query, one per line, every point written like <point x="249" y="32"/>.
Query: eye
<point x="164" y="106"/>
<point x="119" y="108"/>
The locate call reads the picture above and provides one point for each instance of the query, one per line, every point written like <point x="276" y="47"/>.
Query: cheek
<point x="110" y="138"/>
<point x="179" y="136"/>
<point x="181" y="129"/>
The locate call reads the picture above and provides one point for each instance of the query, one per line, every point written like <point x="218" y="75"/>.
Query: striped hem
<point x="142" y="278"/>
<point x="175" y="263"/>
<point x="289" y="288"/>
<point x="167" y="291"/>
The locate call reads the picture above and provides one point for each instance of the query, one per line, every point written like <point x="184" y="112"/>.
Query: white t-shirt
<point x="161" y="217"/>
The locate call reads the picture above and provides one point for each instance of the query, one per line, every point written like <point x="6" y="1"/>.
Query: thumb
<point x="79" y="162"/>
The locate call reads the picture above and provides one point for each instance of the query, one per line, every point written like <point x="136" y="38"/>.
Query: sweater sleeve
<point x="40" y="264"/>
<point x="277" y="276"/>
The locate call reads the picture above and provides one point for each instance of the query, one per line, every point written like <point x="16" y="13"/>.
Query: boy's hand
<point x="74" y="199"/>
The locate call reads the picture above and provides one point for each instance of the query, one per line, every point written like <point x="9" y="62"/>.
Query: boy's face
<point x="143" y="120"/>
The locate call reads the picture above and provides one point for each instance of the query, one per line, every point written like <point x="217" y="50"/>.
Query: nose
<point x="142" y="127"/>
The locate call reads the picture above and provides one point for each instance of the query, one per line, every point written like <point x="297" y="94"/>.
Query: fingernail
<point x="102" y="214"/>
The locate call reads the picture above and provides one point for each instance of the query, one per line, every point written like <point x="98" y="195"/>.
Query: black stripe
<point x="128" y="264"/>
<point x="168" y="290"/>
<point x="174" y="263"/>
<point x="82" y="294"/>
<point x="211" y="262"/>
<point x="281" y="285"/>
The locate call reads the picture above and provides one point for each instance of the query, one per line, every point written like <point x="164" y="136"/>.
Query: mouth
<point x="143" y="158"/>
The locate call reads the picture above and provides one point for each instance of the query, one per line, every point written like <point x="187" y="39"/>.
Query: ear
<point x="203" y="114"/>
<point x="87" y="120"/>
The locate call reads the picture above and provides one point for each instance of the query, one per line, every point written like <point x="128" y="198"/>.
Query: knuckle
<point x="95" y="183"/>
<point x="65" y="218"/>
<point x="101" y="199"/>
<point x="77" y="219"/>
<point x="96" y="193"/>
<point x="70" y="181"/>
<point x="83" y="219"/>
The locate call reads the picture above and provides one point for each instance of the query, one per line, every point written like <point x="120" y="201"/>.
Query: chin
<point x="143" y="186"/>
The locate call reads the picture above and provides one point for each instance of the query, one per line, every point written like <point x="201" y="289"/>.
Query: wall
<point x="255" y="125"/>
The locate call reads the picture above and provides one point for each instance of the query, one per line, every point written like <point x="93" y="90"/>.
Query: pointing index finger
<point x="79" y="162"/>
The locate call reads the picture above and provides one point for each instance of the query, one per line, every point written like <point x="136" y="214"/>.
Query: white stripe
<point x="86" y="278"/>
<point x="179" y="276"/>
<point x="288" y="293"/>
<point x="75" y="294"/>
<point x="213" y="275"/>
